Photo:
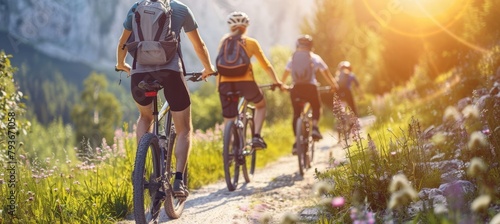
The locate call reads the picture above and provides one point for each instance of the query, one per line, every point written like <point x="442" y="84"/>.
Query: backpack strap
<point x="162" y="21"/>
<point x="134" y="64"/>
<point x="180" y="54"/>
<point x="139" y="29"/>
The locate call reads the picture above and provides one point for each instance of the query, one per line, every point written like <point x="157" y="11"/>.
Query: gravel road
<point x="275" y="191"/>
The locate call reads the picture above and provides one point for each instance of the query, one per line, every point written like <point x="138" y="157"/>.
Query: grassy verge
<point x="99" y="190"/>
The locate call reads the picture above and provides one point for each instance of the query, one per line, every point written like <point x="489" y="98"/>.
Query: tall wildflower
<point x="481" y="203"/>
<point x="477" y="140"/>
<point x="495" y="219"/>
<point x="402" y="192"/>
<point x="477" y="167"/>
<point x="451" y="114"/>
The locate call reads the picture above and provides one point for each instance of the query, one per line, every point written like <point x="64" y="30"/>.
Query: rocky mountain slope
<point x="87" y="30"/>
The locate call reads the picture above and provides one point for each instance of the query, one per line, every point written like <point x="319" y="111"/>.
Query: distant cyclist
<point x="244" y="82"/>
<point x="169" y="74"/>
<point x="347" y="80"/>
<point x="303" y="67"/>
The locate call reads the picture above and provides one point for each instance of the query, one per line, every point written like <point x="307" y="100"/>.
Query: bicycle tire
<point x="250" y="158"/>
<point x="310" y="153"/>
<point x="301" y="144"/>
<point x="146" y="171"/>
<point x="174" y="206"/>
<point x="230" y="155"/>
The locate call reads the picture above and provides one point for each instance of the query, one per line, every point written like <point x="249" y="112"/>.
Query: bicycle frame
<point x="305" y="117"/>
<point x="163" y="139"/>
<point x="160" y="143"/>
<point x="241" y="119"/>
<point x="238" y="150"/>
<point x="303" y="127"/>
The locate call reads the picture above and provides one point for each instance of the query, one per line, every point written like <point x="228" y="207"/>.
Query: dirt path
<point x="275" y="190"/>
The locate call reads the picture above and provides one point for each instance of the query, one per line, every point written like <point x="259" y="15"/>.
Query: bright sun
<point x="417" y="17"/>
<point x="436" y="9"/>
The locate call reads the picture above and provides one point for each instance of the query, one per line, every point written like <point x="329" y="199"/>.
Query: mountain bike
<point x="238" y="150"/>
<point x="303" y="136"/>
<point x="155" y="165"/>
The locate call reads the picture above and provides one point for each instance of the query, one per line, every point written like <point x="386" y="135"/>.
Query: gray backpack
<point x="152" y="41"/>
<point x="302" y="67"/>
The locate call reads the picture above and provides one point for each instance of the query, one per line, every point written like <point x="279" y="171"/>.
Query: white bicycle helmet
<point x="236" y="19"/>
<point x="345" y="64"/>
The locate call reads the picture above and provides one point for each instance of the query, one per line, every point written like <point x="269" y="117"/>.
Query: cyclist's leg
<point x="253" y="93"/>
<point x="312" y="97"/>
<point x="144" y="104"/>
<point x="315" y="104"/>
<point x="294" y="94"/>
<point x="350" y="102"/>
<point x="177" y="95"/>
<point x="229" y="105"/>
<point x="144" y="121"/>
<point x="183" y="129"/>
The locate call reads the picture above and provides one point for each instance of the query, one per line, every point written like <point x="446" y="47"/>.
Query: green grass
<point x="49" y="190"/>
<point x="72" y="192"/>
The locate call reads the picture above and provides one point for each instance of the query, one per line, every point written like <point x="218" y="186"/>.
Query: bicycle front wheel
<point x="310" y="153"/>
<point x="230" y="155"/>
<point x="145" y="180"/>
<point x="301" y="144"/>
<point x="174" y="206"/>
<point x="249" y="152"/>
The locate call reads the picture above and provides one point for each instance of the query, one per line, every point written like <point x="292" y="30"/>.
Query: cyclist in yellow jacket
<point x="238" y="23"/>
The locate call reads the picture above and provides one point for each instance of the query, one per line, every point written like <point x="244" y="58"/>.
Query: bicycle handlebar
<point x="195" y="76"/>
<point x="319" y="88"/>
<point x="324" y="88"/>
<point x="270" y="86"/>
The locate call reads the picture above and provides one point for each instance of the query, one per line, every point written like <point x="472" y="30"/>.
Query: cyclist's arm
<point x="259" y="54"/>
<point x="329" y="78"/>
<point x="286" y="73"/>
<point x="357" y="87"/>
<point x="121" y="51"/>
<point x="201" y="51"/>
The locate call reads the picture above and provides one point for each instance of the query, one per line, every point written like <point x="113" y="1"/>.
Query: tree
<point x="11" y="108"/>
<point x="97" y="114"/>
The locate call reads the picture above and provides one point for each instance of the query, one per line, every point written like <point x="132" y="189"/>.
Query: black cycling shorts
<point x="174" y="88"/>
<point x="247" y="89"/>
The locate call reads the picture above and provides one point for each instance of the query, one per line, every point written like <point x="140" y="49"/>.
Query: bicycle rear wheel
<point x="301" y="144"/>
<point x="174" y="206"/>
<point x="145" y="180"/>
<point x="249" y="152"/>
<point x="230" y="155"/>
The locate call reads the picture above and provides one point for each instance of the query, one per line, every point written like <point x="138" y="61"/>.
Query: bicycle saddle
<point x="150" y="86"/>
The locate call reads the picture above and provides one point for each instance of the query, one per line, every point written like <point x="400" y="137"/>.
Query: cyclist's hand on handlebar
<point x="208" y="72"/>
<point x="285" y="87"/>
<point x="123" y="68"/>
<point x="280" y="84"/>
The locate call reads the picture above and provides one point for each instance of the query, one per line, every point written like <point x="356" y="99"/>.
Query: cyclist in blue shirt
<point x="347" y="80"/>
<point x="305" y="84"/>
<point x="170" y="76"/>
